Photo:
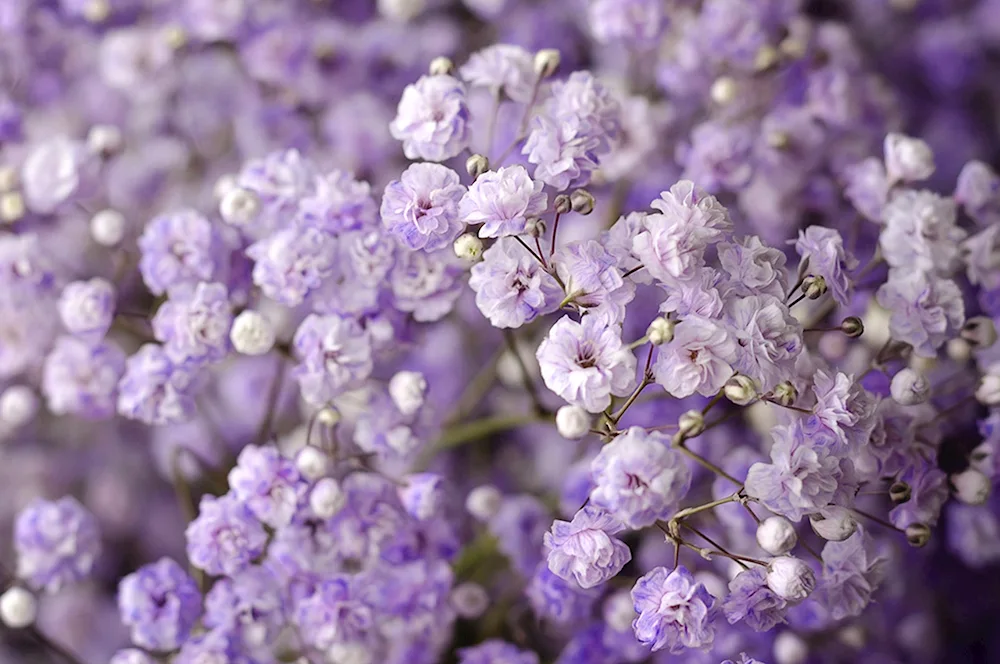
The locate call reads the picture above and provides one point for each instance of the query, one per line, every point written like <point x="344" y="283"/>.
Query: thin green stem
<point x="697" y="458"/>
<point x="461" y="434"/>
<point x="716" y="545"/>
<point x="688" y="511"/>
<point x="529" y="383"/>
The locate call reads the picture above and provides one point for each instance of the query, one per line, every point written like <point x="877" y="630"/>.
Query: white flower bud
<point x="988" y="392"/>
<point x="814" y="287"/>
<point x="562" y="204"/>
<point x="918" y="534"/>
<point x="776" y="535"/>
<point x="909" y="387"/>
<point x="97" y="11"/>
<point x="572" y="422"/>
<point x="312" y="462"/>
<point x="349" y="652"/>
<point x="660" y="331"/>
<point x="852" y="636"/>
<point x="690" y="424"/>
<point x="326" y="498"/>
<point x="958" y="350"/>
<point x="789" y="648"/>
<point x="907" y="159"/>
<point x="8" y="179"/>
<point x="441" y="66"/>
<point x="546" y="62"/>
<point x="834" y="524"/>
<point x="785" y="393"/>
<point x="11" y="206"/>
<point x="401" y="11"/>
<point x="900" y="492"/>
<point x="224" y="185"/>
<point x="18" y="404"/>
<point x="252" y="333"/>
<point x="582" y="201"/>
<point x="407" y="390"/>
<point x="483" y="502"/>
<point x="980" y="332"/>
<point x="104" y="140"/>
<point x="476" y="165"/>
<point x="790" y="578"/>
<point x="534" y="227"/>
<point x="107" y="227"/>
<point x="619" y="611"/>
<point x="767" y="56"/>
<point x="328" y="417"/>
<point x="18" y="608"/>
<point x="239" y="206"/>
<point x="971" y="486"/>
<point x="723" y="90"/>
<point x="470" y="600"/>
<point x="468" y="247"/>
<point x="740" y="389"/>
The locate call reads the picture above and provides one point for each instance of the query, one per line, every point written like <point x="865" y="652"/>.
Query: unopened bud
<point x="97" y="11"/>
<point x="785" y="393"/>
<point x="814" y="287"/>
<point x="572" y="422"/>
<point x="723" y="90"/>
<point x="18" y="608"/>
<point x="328" y="417"/>
<point x="690" y="424"/>
<point x="834" y="524"/>
<point x="779" y="140"/>
<point x="790" y="578"/>
<point x="852" y="327"/>
<point x="918" y="534"/>
<point x="407" y="389"/>
<point x="327" y="498"/>
<point x="907" y="159"/>
<point x="776" y="535"/>
<point x="971" y="486"/>
<point x="790" y="648"/>
<point x="909" y="387"/>
<point x="18" y="405"/>
<point x="312" y="463"/>
<point x="582" y="201"/>
<point x="107" y="227"/>
<point x="660" y="331"/>
<point x="562" y="204"/>
<point x="988" y="392"/>
<point x="11" y="207"/>
<point x="484" y="502"/>
<point x="469" y="600"/>
<point x="441" y="66"/>
<point x="766" y="58"/>
<point x="900" y="492"/>
<point x="740" y="389"/>
<point x="239" y="206"/>
<point x="476" y="165"/>
<point x="534" y="227"/>
<point x="104" y="140"/>
<point x="958" y="350"/>
<point x="468" y="247"/>
<point x="252" y="333"/>
<point x="546" y="62"/>
<point x="980" y="332"/>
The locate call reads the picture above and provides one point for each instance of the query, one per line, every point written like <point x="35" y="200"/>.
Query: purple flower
<point x="54" y="171"/>
<point x="495" y="651"/>
<point x="851" y="573"/>
<point x="844" y="408"/>
<point x="981" y="254"/>
<point x="334" y="354"/>
<point x="928" y="494"/>
<point x="866" y="186"/>
<point x="132" y="656"/>
<point x="720" y="155"/>
<point x="426" y="285"/>
<point x="593" y="280"/>
<point x="82" y="379"/>
<point x="57" y="543"/>
<point x="160" y="604"/>
<point x="335" y="613"/>
<point x="926" y="310"/>
<point x="502" y="68"/>
<point x="213" y="21"/>
<point x="502" y="201"/>
<point x="973" y="534"/>
<point x="824" y="249"/>
<point x="511" y="286"/>
<point x="634" y="23"/>
<point x="907" y="159"/>
<point x="751" y="601"/>
<point x="215" y="646"/>
<point x="432" y="119"/>
<point x="583" y="100"/>
<point x="251" y="602"/>
<point x="423" y="495"/>
<point x="618" y="241"/>
<point x="768" y="338"/>
<point x="586" y="362"/>
<point x="154" y="389"/>
<point x="181" y="248"/>
<point x="755" y="269"/>
<point x="87" y="308"/>
<point x="421" y="208"/>
<point x="977" y="191"/>
<point x="293" y="262"/>
<point x="698" y="297"/>
<point x="520" y="526"/>
<point x="584" y="550"/>
<point x="194" y="324"/>
<point x="639" y="478"/>
<point x="563" y="602"/>
<point x="920" y="232"/>
<point x="279" y="181"/>
<point x="225" y="537"/>
<point x="564" y="153"/>
<point x="674" y="611"/>
<point x="337" y="203"/>
<point x="268" y="484"/>
<point x="699" y="359"/>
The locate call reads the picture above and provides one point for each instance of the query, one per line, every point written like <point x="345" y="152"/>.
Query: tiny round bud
<point x="900" y="492"/>
<point x="776" y="535"/>
<point x="476" y="165"/>
<point x="785" y="393"/>
<point x="582" y="201"/>
<point x="11" y="207"/>
<point x="107" y="227"/>
<point x="401" y="11"/>
<point x="988" y="392"/>
<point x="349" y="652"/>
<point x="691" y="424"/>
<point x="971" y="486"/>
<point x="470" y="600"/>
<point x="468" y="247"/>
<point x="572" y="422"/>
<point x="852" y="327"/>
<point x="312" y="462"/>
<point x="909" y="387"/>
<point x="407" y="390"/>
<point x="546" y="62"/>
<point x="790" y="578"/>
<point x="723" y="90"/>
<point x="104" y="140"/>
<point x="97" y="11"/>
<point x="328" y="417"/>
<point x="562" y="204"/>
<point x="814" y="287"/>
<point x="18" y="404"/>
<point x="740" y="389"/>
<point x="252" y="333"/>
<point x="852" y="636"/>
<point x="958" y="350"/>
<point x="483" y="502"/>
<point x="326" y="498"/>
<point x="239" y="206"/>
<point x="834" y="524"/>
<point x="917" y="534"/>
<point x="789" y="648"/>
<point x="980" y="332"/>
<point x="18" y="608"/>
<point x="792" y="47"/>
<point x="660" y="331"/>
<point x="766" y="58"/>
<point x="779" y="140"/>
<point x="441" y="66"/>
<point x="224" y="185"/>
<point x="534" y="227"/>
<point x="907" y="159"/>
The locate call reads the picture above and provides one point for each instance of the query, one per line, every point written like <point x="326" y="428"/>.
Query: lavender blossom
<point x="751" y="601"/>
<point x="584" y="550"/>
<point x="225" y="537"/>
<point x="334" y="353"/>
<point x="926" y="310"/>
<point x="421" y="208"/>
<point x="502" y="201"/>
<point x="154" y="389"/>
<point x="160" y="604"/>
<point x="87" y="308"/>
<point x="57" y="543"/>
<point x="824" y="249"/>
<point x="700" y="358"/>
<point x="511" y="286"/>
<point x="674" y="610"/>
<point x="179" y="249"/>
<point x="268" y="484"/>
<point x="82" y="379"/>
<point x="593" y="281"/>
<point x="432" y="119"/>
<point x="194" y="324"/>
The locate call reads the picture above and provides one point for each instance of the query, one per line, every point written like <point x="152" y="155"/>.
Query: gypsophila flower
<point x="591" y="277"/>
<point x="181" y="248"/>
<point x="907" y="159"/>
<point x="866" y="186"/>
<point x="426" y="285"/>
<point x="502" y="201"/>
<point x="502" y="68"/>
<point x="57" y="543"/>
<point x="495" y="651"/>
<point x="250" y="602"/>
<point x="268" y="484"/>
<point x="926" y="310"/>
<point x="214" y="646"/>
<point x="563" y="602"/>
<point x="564" y="153"/>
<point x="225" y="536"/>
<point x="87" y="308"/>
<point x="154" y="389"/>
<point x="768" y="339"/>
<point x="584" y="550"/>
<point x="421" y="208"/>
<point x="82" y="379"/>
<point x="586" y="362"/>
<point x="279" y="181"/>
<point x="674" y="610"/>
<point x="160" y="604"/>
<point x="432" y="119"/>
<point x="194" y="324"/>
<point x="977" y="191"/>
<point x="751" y="601"/>
<point x="827" y="258"/>
<point x="851" y="573"/>
<point x="511" y="286"/>
<point x="634" y="23"/>
<point x="337" y="203"/>
<point x="520" y="524"/>
<point x="293" y="262"/>
<point x="334" y="353"/>
<point x="921" y="232"/>
<point x="700" y="358"/>
<point x="755" y="269"/>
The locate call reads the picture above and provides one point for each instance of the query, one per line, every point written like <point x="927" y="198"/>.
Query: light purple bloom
<point x="160" y="604"/>
<point x="194" y="324"/>
<point x="593" y="279"/>
<point x="586" y="362"/>
<point x="719" y="155"/>
<point x="921" y="232"/>
<point x="752" y="602"/>
<point x="639" y="478"/>
<point x="699" y="297"/>
<point x="674" y="610"/>
<point x="981" y="254"/>
<point x="502" y="201"/>
<point x="334" y="613"/>
<point x="426" y="285"/>
<point x="57" y="543"/>
<point x="268" y="484"/>
<point x="634" y="23"/>
<point x="334" y="353"/>
<point x="564" y="153"/>
<point x="225" y="537"/>
<point x="132" y="656"/>
<point x="520" y="526"/>
<point x="154" y="389"/>
<point x="824" y="249"/>
<point x="293" y="262"/>
<point x="700" y="358"/>
<point x="977" y="191"/>
<point x="866" y="186"/>
<point x="503" y="68"/>
<point x="844" y="408"/>
<point x="563" y="602"/>
<point x="928" y="494"/>
<point x="768" y="339"/>
<point x="337" y="203"/>
<point x="218" y="645"/>
<point x="421" y="208"/>
<point x="584" y="100"/>
<point x="178" y="249"/>
<point x="432" y="119"/>
<point x="618" y="241"/>
<point x="279" y="181"/>
<point x="87" y="308"/>
<point x="852" y="571"/>
<point x="926" y="310"/>
<point x="495" y="651"/>
<point x="82" y="379"/>
<point x="251" y="602"/>
<point x="423" y="495"/>
<point x="755" y="269"/>
<point x="584" y="550"/>
<point x="511" y="286"/>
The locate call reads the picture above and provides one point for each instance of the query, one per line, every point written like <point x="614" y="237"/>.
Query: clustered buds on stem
<point x="785" y="393"/>
<point x="690" y="424"/>
<point x="814" y="287"/>
<point x="980" y="332"/>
